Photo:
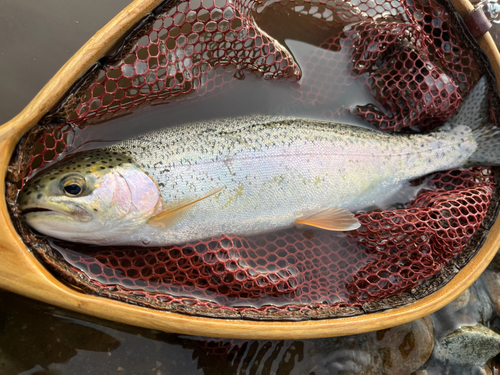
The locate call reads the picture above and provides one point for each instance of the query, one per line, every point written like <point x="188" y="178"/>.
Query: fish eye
<point x="73" y="185"/>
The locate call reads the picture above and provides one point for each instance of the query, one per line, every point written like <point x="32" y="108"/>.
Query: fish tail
<point x="487" y="138"/>
<point x="474" y="114"/>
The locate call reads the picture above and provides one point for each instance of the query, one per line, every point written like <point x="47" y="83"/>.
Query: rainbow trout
<point x="243" y="176"/>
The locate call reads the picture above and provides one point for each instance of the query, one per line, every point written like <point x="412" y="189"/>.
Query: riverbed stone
<point x="473" y="306"/>
<point x="485" y="370"/>
<point x="468" y="346"/>
<point x="458" y="303"/>
<point x="394" y="351"/>
<point x="405" y="348"/>
<point x="480" y="306"/>
<point x="492" y="282"/>
<point x="495" y="263"/>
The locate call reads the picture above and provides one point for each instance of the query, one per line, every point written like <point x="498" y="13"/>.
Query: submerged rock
<point x="485" y="370"/>
<point x="395" y="351"/>
<point x="495" y="263"/>
<point x="399" y="350"/>
<point x="458" y="303"/>
<point x="440" y="368"/>
<point x="492" y="282"/>
<point x="468" y="346"/>
<point x="473" y="306"/>
<point x="480" y="307"/>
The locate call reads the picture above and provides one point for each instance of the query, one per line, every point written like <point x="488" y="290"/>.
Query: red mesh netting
<point x="412" y="63"/>
<point x="417" y="72"/>
<point x="51" y="144"/>
<point x="179" y="56"/>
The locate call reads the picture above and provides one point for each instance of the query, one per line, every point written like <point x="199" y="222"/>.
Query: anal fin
<point x="335" y="219"/>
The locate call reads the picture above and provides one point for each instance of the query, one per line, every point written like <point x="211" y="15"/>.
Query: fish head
<point x="89" y="198"/>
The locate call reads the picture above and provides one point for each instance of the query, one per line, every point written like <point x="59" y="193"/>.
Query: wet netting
<point x="416" y="60"/>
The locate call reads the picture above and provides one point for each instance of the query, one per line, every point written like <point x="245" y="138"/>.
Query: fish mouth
<point x="75" y="212"/>
<point x="35" y="209"/>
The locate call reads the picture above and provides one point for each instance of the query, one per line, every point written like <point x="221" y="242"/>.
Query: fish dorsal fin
<point x="170" y="214"/>
<point x="336" y="218"/>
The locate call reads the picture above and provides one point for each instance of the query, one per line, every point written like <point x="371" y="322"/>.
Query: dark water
<point x="36" y="338"/>
<point x="37" y="38"/>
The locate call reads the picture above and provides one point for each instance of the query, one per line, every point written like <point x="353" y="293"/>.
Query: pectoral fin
<point x="168" y="216"/>
<point x="336" y="218"/>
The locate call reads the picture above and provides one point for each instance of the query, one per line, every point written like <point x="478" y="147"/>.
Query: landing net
<point x="414" y="57"/>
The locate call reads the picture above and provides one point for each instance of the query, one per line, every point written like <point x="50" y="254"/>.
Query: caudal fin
<point x="488" y="145"/>
<point x="474" y="110"/>
<point x="474" y="114"/>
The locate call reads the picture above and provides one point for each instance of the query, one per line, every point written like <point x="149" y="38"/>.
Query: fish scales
<point x="275" y="170"/>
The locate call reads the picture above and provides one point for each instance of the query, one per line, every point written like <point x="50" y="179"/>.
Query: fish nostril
<point x="39" y="196"/>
